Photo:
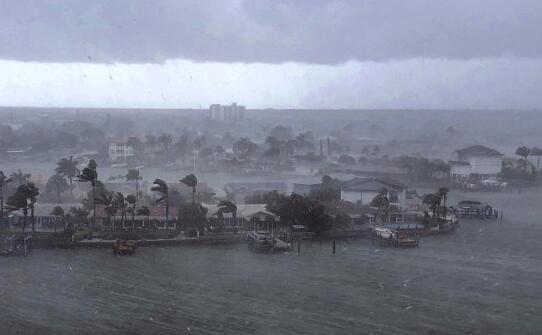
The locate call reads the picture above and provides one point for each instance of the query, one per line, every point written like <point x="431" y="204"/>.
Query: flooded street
<point x="484" y="278"/>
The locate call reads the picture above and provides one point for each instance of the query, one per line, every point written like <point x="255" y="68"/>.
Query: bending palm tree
<point x="67" y="167"/>
<point x="191" y="181"/>
<point x="132" y="200"/>
<point x="3" y="182"/>
<point x="106" y="200"/>
<point x="18" y="201"/>
<point x="161" y="188"/>
<point x="89" y="175"/>
<point x="120" y="203"/>
<point x="32" y="193"/>
<point x="145" y="211"/>
<point x="133" y="175"/>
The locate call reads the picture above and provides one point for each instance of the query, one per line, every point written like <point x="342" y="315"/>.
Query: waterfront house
<point x="157" y="218"/>
<point x="363" y="190"/>
<point x="476" y="160"/>
<point x="43" y="219"/>
<point x="245" y="216"/>
<point x="241" y="190"/>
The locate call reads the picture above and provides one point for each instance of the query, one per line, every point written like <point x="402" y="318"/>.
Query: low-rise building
<point x="363" y="190"/>
<point x="244" y="217"/>
<point x="476" y="160"/>
<point x="119" y="150"/>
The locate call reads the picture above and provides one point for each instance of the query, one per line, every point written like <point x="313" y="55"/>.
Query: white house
<point x="476" y="160"/>
<point x="119" y="150"/>
<point x="363" y="190"/>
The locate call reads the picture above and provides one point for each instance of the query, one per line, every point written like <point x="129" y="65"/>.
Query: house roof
<point x="246" y="211"/>
<point x="254" y="187"/>
<point x="478" y="150"/>
<point x="371" y="184"/>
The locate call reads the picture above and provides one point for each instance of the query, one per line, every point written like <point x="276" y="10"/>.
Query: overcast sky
<point x="295" y="54"/>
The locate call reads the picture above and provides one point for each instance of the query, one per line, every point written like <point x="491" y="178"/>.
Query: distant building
<point x="118" y="149"/>
<point x="241" y="190"/>
<point x="245" y="215"/>
<point x="232" y="113"/>
<point x="476" y="160"/>
<point x="363" y="190"/>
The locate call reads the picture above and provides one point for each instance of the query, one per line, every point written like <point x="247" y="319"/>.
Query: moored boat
<point x="124" y="247"/>
<point x="394" y="238"/>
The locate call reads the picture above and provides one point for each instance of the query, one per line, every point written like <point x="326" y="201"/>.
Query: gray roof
<point x="478" y="150"/>
<point x="371" y="184"/>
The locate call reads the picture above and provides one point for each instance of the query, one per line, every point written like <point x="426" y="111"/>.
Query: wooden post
<point x="298" y="246"/>
<point x="333" y="246"/>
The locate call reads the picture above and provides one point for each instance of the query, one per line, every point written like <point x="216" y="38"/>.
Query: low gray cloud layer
<point x="275" y="31"/>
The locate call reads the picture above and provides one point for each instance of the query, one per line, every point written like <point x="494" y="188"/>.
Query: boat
<point x="266" y="242"/>
<point x="394" y="238"/>
<point x="124" y="247"/>
<point x="421" y="224"/>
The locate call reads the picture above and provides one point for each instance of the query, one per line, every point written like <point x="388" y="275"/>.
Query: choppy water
<point x="484" y="279"/>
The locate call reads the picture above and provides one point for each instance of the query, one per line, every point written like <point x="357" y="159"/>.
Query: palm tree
<point x="67" y="167"/>
<point x="226" y="206"/>
<point x="33" y="193"/>
<point x="161" y="188"/>
<point x="19" y="177"/>
<point x="3" y="182"/>
<point x="133" y="175"/>
<point x="58" y="211"/>
<point x="18" y="201"/>
<point x="105" y="199"/>
<point x="381" y="202"/>
<point x="30" y="193"/>
<point x="145" y="211"/>
<point x="132" y="200"/>
<point x="90" y="175"/>
<point x="119" y="202"/>
<point x="191" y="181"/>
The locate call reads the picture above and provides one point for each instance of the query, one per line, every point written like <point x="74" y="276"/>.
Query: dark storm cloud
<point x="268" y="31"/>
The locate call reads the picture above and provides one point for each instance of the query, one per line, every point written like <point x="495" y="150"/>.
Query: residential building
<point x="232" y="113"/>
<point x="245" y="216"/>
<point x="119" y="150"/>
<point x="476" y="160"/>
<point x="363" y="190"/>
<point x="241" y="190"/>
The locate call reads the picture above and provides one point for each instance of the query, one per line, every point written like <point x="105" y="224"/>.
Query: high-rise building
<point x="232" y="113"/>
